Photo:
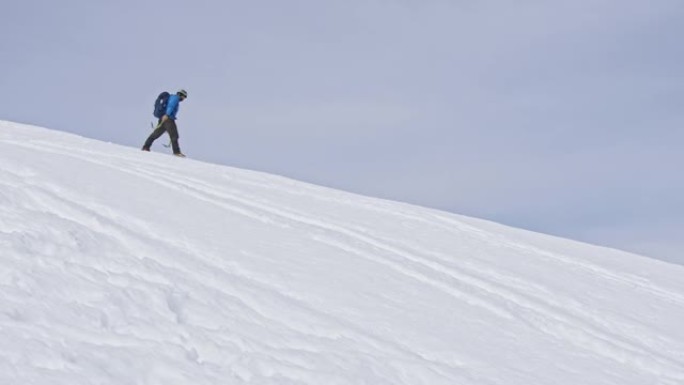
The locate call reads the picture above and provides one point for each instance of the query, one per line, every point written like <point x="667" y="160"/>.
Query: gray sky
<point x="563" y="117"/>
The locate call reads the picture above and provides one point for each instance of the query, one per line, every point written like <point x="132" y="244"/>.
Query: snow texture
<point x="124" y="267"/>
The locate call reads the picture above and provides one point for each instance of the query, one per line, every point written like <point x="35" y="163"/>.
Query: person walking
<point x="167" y="122"/>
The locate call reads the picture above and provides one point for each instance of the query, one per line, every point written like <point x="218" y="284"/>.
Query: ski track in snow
<point x="112" y="227"/>
<point x="214" y="285"/>
<point x="307" y="344"/>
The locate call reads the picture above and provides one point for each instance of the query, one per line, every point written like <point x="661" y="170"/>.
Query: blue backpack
<point x="160" y="104"/>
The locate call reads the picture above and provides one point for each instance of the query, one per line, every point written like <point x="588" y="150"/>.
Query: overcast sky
<point x="563" y="117"/>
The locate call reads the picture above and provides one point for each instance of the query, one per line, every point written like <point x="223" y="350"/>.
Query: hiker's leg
<point x="172" y="129"/>
<point x="159" y="131"/>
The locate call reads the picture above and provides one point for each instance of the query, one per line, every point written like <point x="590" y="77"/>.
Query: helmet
<point x="182" y="93"/>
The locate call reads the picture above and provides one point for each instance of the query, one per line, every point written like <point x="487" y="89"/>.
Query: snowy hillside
<point x="124" y="267"/>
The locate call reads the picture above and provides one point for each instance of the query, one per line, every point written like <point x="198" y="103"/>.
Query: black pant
<point x="168" y="126"/>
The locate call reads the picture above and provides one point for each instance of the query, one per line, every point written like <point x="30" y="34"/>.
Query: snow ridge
<point x="121" y="267"/>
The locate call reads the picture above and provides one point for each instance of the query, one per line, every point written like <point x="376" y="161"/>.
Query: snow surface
<point x="124" y="267"/>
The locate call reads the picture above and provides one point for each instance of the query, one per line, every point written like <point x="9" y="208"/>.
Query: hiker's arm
<point x="172" y="107"/>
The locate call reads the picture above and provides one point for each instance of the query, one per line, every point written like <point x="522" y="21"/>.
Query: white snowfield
<point x="124" y="267"/>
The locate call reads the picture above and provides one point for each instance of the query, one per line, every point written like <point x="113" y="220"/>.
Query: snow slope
<point x="123" y="267"/>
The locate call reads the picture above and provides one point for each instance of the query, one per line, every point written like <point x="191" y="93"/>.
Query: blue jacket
<point x="172" y="106"/>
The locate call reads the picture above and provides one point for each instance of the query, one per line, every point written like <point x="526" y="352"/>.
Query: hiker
<point x="166" y="108"/>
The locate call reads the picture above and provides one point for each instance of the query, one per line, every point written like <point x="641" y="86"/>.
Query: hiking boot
<point x="179" y="154"/>
<point x="146" y="149"/>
